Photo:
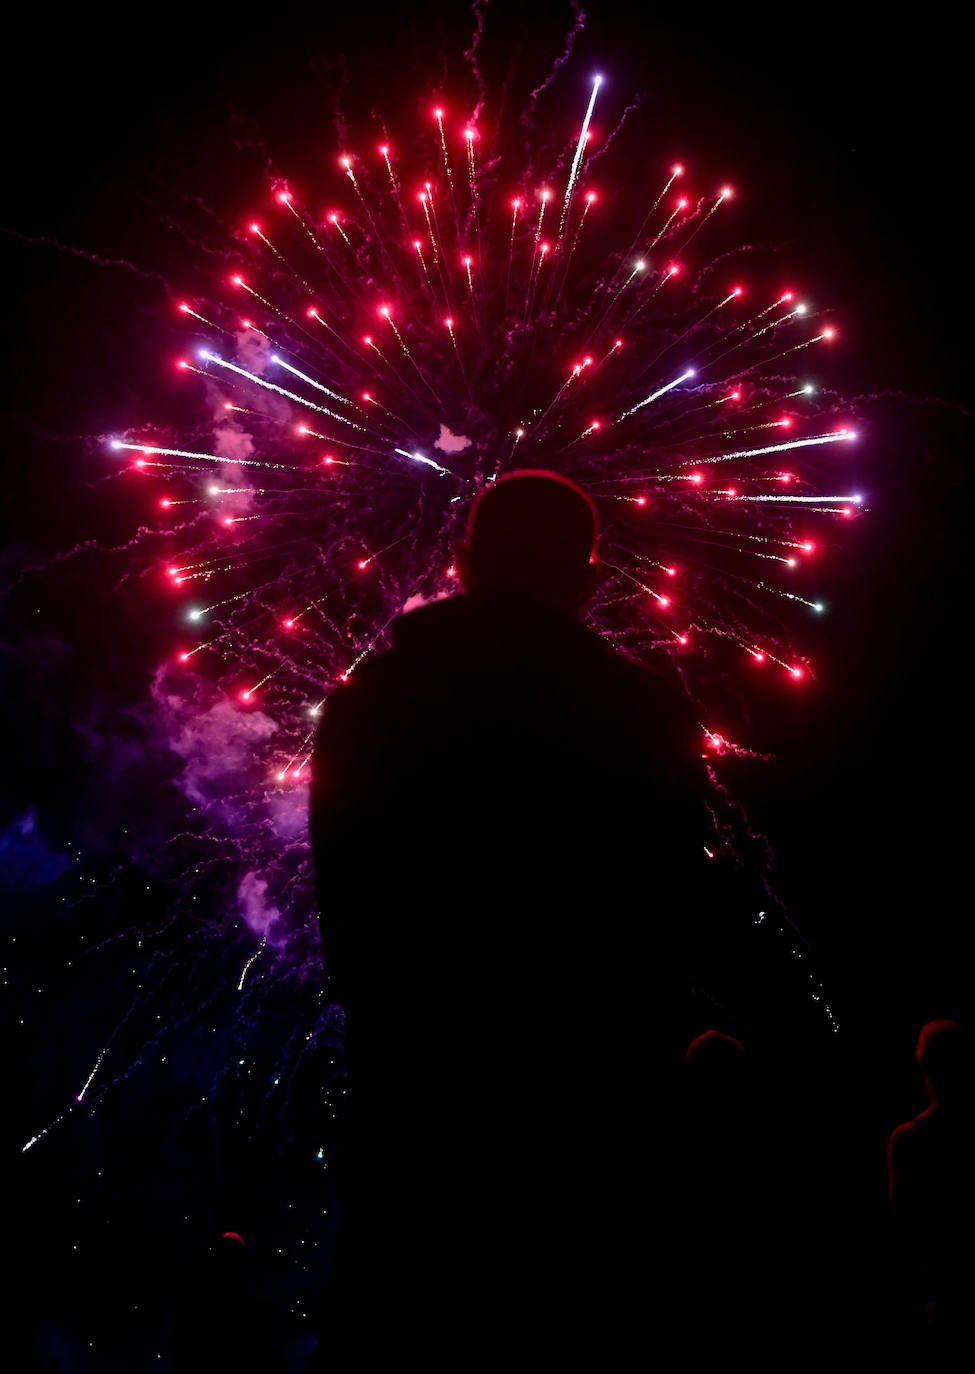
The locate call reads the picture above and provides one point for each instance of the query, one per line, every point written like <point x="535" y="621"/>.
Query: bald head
<point x="532" y="532"/>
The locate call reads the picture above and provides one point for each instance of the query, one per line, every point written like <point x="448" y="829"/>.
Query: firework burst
<point x="446" y="319"/>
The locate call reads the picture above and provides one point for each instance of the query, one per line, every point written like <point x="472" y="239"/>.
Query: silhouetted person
<point x="508" y="828"/>
<point x="722" y="1176"/>
<point x="224" y="1321"/>
<point x="931" y="1186"/>
<point x="760" y="1235"/>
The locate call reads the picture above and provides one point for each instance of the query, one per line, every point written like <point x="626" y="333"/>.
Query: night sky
<point x="847" y="154"/>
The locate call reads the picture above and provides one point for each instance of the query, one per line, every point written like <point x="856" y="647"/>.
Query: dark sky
<point x="850" y="144"/>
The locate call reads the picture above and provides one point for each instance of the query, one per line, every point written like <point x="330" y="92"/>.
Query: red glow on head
<point x="245" y="695"/>
<point x="328" y="461"/>
<point x="591" y="197"/>
<point x="184" y="307"/>
<point x="182" y="363"/>
<point x="312" y="312"/>
<point x="807" y="548"/>
<point x="246" y="324"/>
<point x="345" y="162"/>
<point x="183" y="658"/>
<point x="229" y="520"/>
<point x="829" y="333"/>
<point x="639" y="500"/>
<point x="301" y="429"/>
<point x="735" y="396"/>
<point x="846" y="510"/>
<point x="617" y="343"/>
<point x="284" y="197"/>
<point x="470" y="135"/>
<point x="673" y="269"/>
<point x="758" y="656"/>
<point x="596" y="424"/>
<point x="384" y="149"/>
<point x="732" y="491"/>
<point x="333" y="218"/>
<point x="165" y="502"/>
<point x="696" y="478"/>
<point x="785" y="423"/>
<point x="281" y="776"/>
<point x="516" y="203"/>
<point x="438" y="114"/>
<point x="682" y="203"/>
<point x="287" y="624"/>
<point x="228" y="405"/>
<point x="682" y="639"/>
<point x="343" y="677"/>
<point x="451" y="571"/>
<point x="785" y="476"/>
<point x="362" y="564"/>
<point x="367" y="339"/>
<point x="237" y="281"/>
<point x="786" y="296"/>
<point x="795" y="673"/>
<point x="467" y="260"/>
<point x="738" y="291"/>
<point x="417" y="244"/>
<point x="384" y="311"/>
<point x="254" y="228"/>
<point x="677" y="170"/>
<point x="139" y="463"/>
<point x="671" y="572"/>
<point x="663" y="601"/>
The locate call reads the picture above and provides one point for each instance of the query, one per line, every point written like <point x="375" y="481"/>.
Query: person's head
<point x="714" y="1055"/>
<point x="944" y="1054"/>
<point x="716" y="1072"/>
<point x="532" y="532"/>
<point x="714" y="1047"/>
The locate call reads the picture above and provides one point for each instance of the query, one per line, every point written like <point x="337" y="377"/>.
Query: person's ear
<point x="462" y="558"/>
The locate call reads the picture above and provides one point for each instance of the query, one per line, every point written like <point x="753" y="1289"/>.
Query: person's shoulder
<point x="415" y="640"/>
<point x="348" y="700"/>
<point x="654" y="667"/>
<point x="379" y="685"/>
<point x="363" y="680"/>
<point x="653" y="681"/>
